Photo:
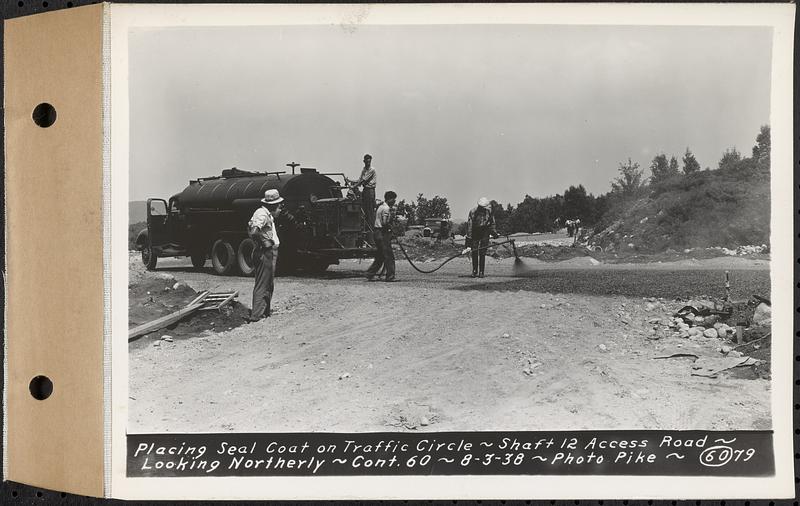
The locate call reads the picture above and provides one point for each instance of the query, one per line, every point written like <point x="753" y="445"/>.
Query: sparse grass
<point x="728" y="207"/>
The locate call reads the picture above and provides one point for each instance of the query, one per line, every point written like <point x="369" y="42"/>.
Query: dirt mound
<point x="422" y="249"/>
<point x="727" y="208"/>
<point x="155" y="295"/>
<point x="548" y="253"/>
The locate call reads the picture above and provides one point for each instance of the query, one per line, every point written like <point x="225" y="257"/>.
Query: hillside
<point x="728" y="207"/>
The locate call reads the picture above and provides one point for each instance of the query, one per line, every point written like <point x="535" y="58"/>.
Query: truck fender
<point x="142" y="239"/>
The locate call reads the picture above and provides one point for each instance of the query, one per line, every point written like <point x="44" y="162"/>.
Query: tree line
<point x="547" y="214"/>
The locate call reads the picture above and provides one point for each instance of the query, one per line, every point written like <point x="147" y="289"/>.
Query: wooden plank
<point x="202" y="296"/>
<point x="164" y="321"/>
<point x="223" y="302"/>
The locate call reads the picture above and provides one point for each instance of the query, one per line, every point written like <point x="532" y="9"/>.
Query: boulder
<point x="710" y="333"/>
<point x="762" y="317"/>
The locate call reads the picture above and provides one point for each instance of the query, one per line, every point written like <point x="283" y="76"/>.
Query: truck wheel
<point x="199" y="260"/>
<point x="244" y="257"/>
<point x="223" y="257"/>
<point x="149" y="257"/>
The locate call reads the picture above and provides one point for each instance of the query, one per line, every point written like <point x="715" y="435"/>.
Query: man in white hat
<point x="480" y="226"/>
<point x="262" y="231"/>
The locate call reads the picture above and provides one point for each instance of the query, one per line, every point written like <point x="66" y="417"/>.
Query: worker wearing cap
<point x="263" y="232"/>
<point x="480" y="226"/>
<point x="383" y="238"/>
<point x="368" y="181"/>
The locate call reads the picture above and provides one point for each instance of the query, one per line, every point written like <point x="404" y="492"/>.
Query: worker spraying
<point x="480" y="227"/>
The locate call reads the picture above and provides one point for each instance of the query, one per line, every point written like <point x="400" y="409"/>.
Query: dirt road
<point x="447" y="352"/>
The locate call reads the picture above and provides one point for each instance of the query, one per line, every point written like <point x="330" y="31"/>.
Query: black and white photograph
<point x="430" y="227"/>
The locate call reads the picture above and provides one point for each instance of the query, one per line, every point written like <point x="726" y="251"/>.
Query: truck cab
<point x="165" y="233"/>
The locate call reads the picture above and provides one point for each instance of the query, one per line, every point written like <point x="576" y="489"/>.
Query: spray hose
<point x="491" y="245"/>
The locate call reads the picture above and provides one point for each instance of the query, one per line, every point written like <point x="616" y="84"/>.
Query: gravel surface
<point x="669" y="284"/>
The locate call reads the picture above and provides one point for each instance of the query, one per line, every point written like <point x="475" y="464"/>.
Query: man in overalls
<point x="263" y="232"/>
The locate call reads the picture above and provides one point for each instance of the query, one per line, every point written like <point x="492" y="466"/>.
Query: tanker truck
<point x="318" y="225"/>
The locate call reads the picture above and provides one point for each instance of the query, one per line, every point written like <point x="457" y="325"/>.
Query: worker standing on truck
<point x="263" y="232"/>
<point x="480" y="226"/>
<point x="383" y="238"/>
<point x="368" y="181"/>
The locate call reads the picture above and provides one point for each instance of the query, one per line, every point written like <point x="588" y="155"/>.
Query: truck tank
<point x="238" y="190"/>
<point x="317" y="226"/>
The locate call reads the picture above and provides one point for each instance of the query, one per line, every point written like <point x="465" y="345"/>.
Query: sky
<point x="461" y="111"/>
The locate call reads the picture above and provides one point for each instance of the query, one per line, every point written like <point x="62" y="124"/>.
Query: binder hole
<point x="41" y="387"/>
<point x="38" y="494"/>
<point x="44" y="115"/>
<point x="45" y="5"/>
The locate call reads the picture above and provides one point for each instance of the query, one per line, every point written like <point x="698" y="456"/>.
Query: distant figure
<point x="264" y="233"/>
<point x="572" y="227"/>
<point x="384" y="256"/>
<point x="480" y="226"/>
<point x="368" y="181"/>
<point x="557" y="224"/>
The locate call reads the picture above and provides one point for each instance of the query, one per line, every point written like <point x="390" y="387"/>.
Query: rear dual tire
<point x="245" y="257"/>
<point x="228" y="259"/>
<point x="223" y="257"/>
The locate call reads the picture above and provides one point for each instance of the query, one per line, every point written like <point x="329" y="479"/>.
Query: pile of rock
<point x="699" y="327"/>
<point x="690" y="325"/>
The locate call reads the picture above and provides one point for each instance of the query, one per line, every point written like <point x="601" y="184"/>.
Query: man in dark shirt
<point x="383" y="238"/>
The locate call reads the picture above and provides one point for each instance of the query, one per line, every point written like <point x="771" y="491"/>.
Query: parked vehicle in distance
<point x="438" y="228"/>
